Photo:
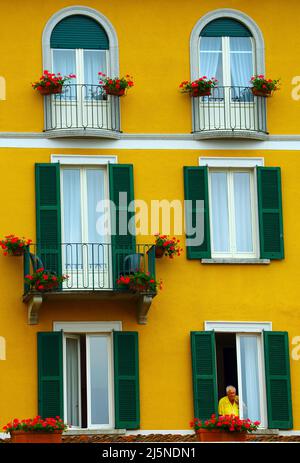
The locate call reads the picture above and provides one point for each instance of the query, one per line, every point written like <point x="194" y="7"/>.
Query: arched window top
<point x="225" y="27"/>
<point x="79" y="31"/>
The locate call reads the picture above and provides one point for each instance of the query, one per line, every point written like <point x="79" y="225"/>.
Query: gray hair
<point x="230" y="387"/>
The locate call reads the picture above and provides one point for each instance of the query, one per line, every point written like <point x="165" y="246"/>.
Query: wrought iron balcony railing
<point x="89" y="266"/>
<point x="82" y="107"/>
<point x="230" y="109"/>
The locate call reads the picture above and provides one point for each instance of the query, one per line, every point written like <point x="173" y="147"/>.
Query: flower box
<point x="36" y="437"/>
<point x="14" y="246"/>
<point x="50" y="83"/>
<point x="164" y="245"/>
<point x="216" y="435"/>
<point x="116" y="86"/>
<point x="257" y="92"/>
<point x="50" y="91"/>
<point x="262" y="86"/>
<point x="199" y="87"/>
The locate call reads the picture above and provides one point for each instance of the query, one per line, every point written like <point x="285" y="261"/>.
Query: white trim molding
<point x="237" y="327"/>
<point x="73" y="159"/>
<point x="92" y="13"/>
<point x="226" y="13"/>
<point x="87" y="327"/>
<point x="236" y="162"/>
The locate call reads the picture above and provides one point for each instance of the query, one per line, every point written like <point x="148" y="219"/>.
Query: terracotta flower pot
<point x="50" y="91"/>
<point x="115" y="92"/>
<point x="257" y="92"/>
<point x="51" y="286"/>
<point x="36" y="437"/>
<point x="159" y="251"/>
<point x="216" y="435"/>
<point x="17" y="252"/>
<point x="196" y="92"/>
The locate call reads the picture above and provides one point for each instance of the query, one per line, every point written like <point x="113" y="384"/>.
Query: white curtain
<point x="94" y="62"/>
<point x="98" y="371"/>
<point x="211" y="58"/>
<point x="72" y="347"/>
<point x="64" y="61"/>
<point x="95" y="195"/>
<point x="243" y="215"/>
<point x="250" y="378"/>
<point x="241" y="65"/>
<point x="72" y="218"/>
<point x="220" y="219"/>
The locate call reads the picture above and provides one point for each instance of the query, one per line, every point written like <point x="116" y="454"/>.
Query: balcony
<point x="230" y="112"/>
<point x="82" y="111"/>
<point x="93" y="270"/>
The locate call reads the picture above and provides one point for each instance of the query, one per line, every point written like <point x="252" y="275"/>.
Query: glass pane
<point x="98" y="369"/>
<point x="71" y="219"/>
<point x="64" y="61"/>
<point x="72" y="382"/>
<point x="250" y="378"/>
<point x="240" y="44"/>
<point x="241" y="61"/>
<point x="220" y="221"/>
<point x="243" y="214"/>
<point x="94" y="62"/>
<point x="211" y="44"/>
<point x="96" y="218"/>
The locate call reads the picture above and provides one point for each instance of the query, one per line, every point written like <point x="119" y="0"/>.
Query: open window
<point x="257" y="364"/>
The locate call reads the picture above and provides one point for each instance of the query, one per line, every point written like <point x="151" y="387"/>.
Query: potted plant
<point x="43" y="280"/>
<point x="36" y="430"/>
<point x="262" y="86"/>
<point x="199" y="87"/>
<point x="166" y="246"/>
<point x="12" y="245"/>
<point x="139" y="281"/>
<point x="51" y="83"/>
<point x="115" y="86"/>
<point x="223" y="428"/>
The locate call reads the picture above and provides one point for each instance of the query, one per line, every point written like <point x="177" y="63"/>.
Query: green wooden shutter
<point x="79" y="31"/>
<point x="196" y="188"/>
<point x="121" y="181"/>
<point x="204" y="374"/>
<point x="278" y="380"/>
<point x="270" y="213"/>
<point x="126" y="370"/>
<point x="225" y="27"/>
<point x="48" y="216"/>
<point x="50" y="374"/>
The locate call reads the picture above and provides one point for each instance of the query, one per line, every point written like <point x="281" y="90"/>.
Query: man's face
<point x="231" y="393"/>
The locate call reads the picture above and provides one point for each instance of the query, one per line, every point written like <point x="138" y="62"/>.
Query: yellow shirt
<point x="227" y="408"/>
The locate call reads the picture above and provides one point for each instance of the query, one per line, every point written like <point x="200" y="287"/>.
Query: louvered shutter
<point x="196" y="189"/>
<point x="50" y="374"/>
<point x="270" y="213"/>
<point x="204" y="374"/>
<point x="278" y="380"/>
<point x="48" y="216"/>
<point x="126" y="371"/>
<point x="225" y="27"/>
<point x="123" y="241"/>
<point x="79" y="31"/>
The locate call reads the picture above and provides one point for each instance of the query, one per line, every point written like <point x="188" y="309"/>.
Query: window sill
<point x="86" y="431"/>
<point x="235" y="261"/>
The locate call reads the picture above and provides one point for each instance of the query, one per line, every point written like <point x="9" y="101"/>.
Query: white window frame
<point x="226" y="61"/>
<point x="79" y="64"/>
<point x="261" y="377"/>
<point x="111" y="423"/>
<point x="231" y="214"/>
<point x="84" y="327"/>
<point x="72" y="336"/>
<point x="244" y="328"/>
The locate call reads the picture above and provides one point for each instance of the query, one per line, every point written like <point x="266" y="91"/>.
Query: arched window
<point x="227" y="52"/>
<point x="80" y="46"/>
<point x="80" y="40"/>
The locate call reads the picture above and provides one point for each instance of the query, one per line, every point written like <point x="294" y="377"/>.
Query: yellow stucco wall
<point x="154" y="47"/>
<point x="192" y="292"/>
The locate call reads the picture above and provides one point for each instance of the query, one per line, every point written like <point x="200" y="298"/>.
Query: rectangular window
<point x="89" y="380"/>
<point x="240" y="363"/>
<point x="233" y="213"/>
<point x="85" y="252"/>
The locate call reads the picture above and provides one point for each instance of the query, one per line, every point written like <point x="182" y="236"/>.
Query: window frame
<point x="233" y="254"/>
<point x="226" y="59"/>
<point x="77" y="338"/>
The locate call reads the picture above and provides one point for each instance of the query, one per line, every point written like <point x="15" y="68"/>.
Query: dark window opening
<point x="226" y="362"/>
